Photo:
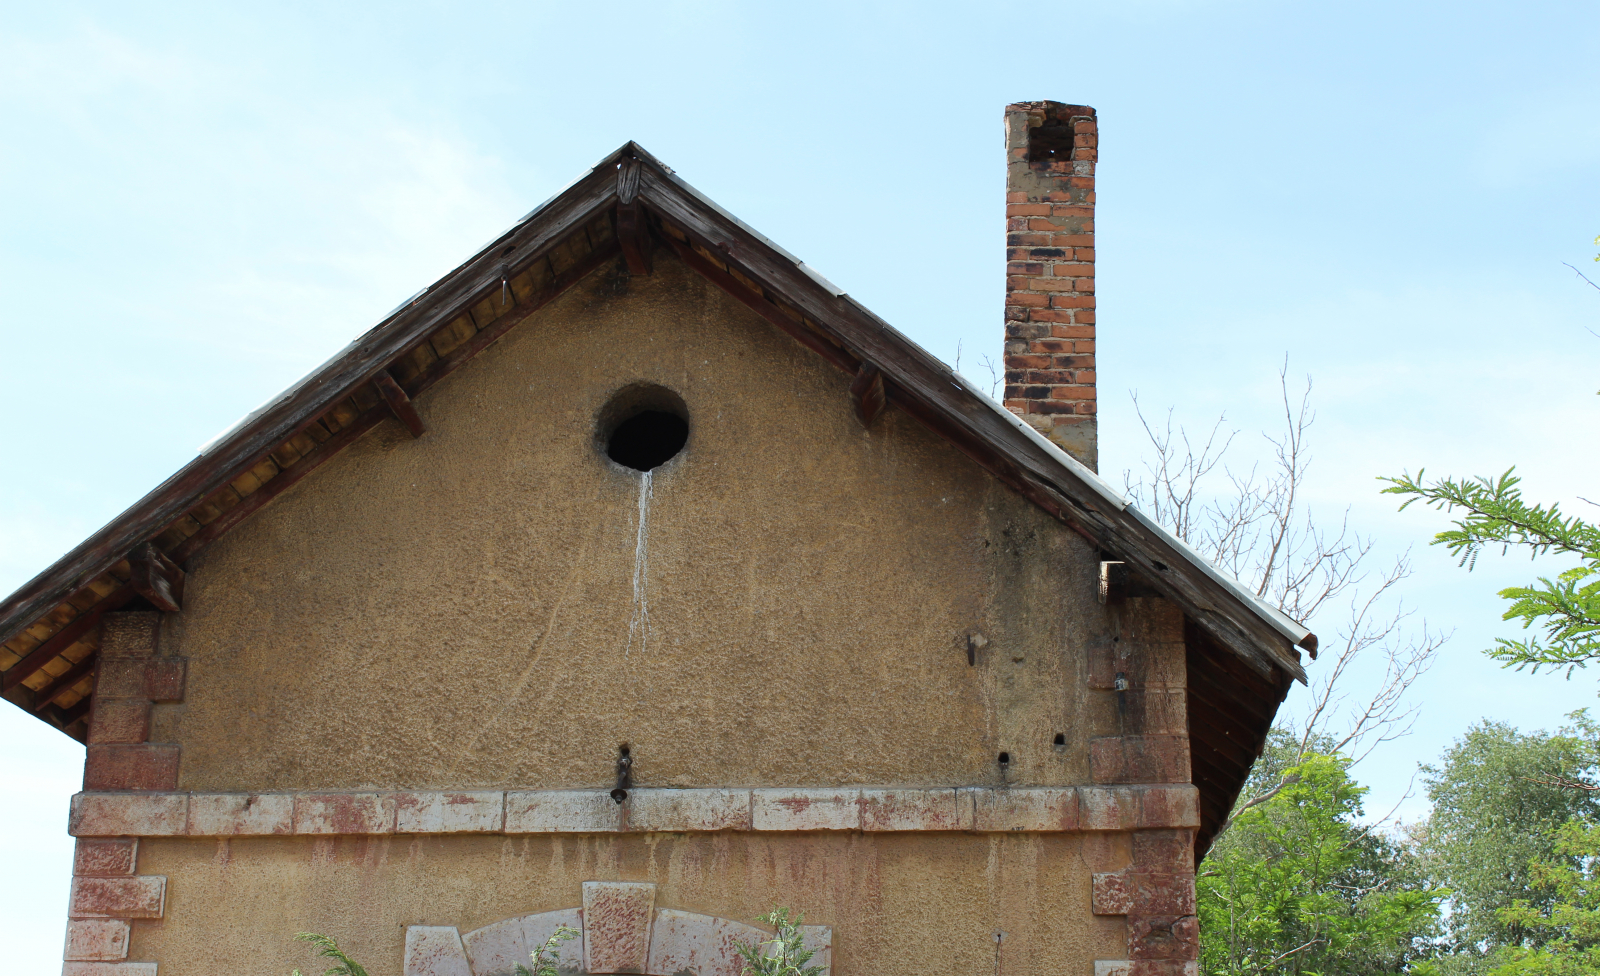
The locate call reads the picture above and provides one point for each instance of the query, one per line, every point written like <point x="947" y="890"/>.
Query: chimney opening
<point x="1050" y="141"/>
<point x="643" y="427"/>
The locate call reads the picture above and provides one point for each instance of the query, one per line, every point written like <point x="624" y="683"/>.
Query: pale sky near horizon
<point x="199" y="205"/>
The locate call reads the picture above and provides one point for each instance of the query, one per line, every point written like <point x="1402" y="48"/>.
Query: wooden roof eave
<point x="833" y="324"/>
<point x="291" y="411"/>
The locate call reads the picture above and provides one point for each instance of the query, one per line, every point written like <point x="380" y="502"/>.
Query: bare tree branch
<point x="1256" y="525"/>
<point x="1583" y="276"/>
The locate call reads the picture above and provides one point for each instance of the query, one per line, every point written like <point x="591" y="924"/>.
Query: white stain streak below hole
<point x="639" y="619"/>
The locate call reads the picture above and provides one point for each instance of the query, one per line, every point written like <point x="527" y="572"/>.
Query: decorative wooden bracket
<point x="156" y="578"/>
<point x="399" y="404"/>
<point x="633" y="231"/>
<point x="866" y="393"/>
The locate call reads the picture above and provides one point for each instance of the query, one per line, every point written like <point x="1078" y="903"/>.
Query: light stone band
<point x="974" y="809"/>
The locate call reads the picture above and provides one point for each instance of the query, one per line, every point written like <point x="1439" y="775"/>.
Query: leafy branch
<point x="329" y="949"/>
<point x="544" y="957"/>
<point x="1566" y="607"/>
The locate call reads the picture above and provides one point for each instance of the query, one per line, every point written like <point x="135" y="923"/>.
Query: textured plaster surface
<point x="235" y="904"/>
<point x="453" y="612"/>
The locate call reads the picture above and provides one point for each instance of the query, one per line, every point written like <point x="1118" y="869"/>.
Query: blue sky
<point x="198" y="205"/>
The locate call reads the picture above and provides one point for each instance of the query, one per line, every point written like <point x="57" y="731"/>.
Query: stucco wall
<point x="898" y="904"/>
<point x="454" y="611"/>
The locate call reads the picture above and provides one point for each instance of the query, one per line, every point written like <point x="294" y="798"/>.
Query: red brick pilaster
<point x="1143" y="668"/>
<point x="129" y="680"/>
<point x="107" y="896"/>
<point x="1051" y="150"/>
<point x="1156" y="893"/>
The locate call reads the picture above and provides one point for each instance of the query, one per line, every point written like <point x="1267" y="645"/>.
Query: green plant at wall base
<point x="782" y="955"/>
<point x="544" y="957"/>
<point x="328" y="948"/>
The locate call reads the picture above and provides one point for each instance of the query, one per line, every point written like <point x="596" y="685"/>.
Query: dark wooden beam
<point x="156" y="577"/>
<point x="867" y="394"/>
<point x="66" y="716"/>
<point x="63" y="639"/>
<point x="399" y="404"/>
<point x="61" y="685"/>
<point x="633" y="228"/>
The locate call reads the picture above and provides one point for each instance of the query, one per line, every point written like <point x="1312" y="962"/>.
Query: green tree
<point x="1499" y="799"/>
<point x="1570" y="923"/>
<point x="1493" y="513"/>
<point x="1300" y="886"/>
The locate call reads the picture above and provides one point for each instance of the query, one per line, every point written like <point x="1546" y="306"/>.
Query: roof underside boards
<point x="48" y="626"/>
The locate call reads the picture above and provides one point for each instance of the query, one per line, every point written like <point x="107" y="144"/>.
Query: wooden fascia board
<point x="914" y="372"/>
<point x="373" y="352"/>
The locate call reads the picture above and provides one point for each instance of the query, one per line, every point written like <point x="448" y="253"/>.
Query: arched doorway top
<point x="621" y="931"/>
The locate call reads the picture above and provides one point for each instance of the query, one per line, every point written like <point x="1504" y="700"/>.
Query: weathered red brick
<point x="123" y="721"/>
<point x="1112" y="894"/>
<point x="164" y="678"/>
<point x="131" y="634"/>
<point x="138" y="897"/>
<point x="105" y="858"/>
<point x="120" y="677"/>
<point x="97" y="939"/>
<point x="1163" y="937"/>
<point x="1164" y="851"/>
<point x="131" y="767"/>
<point x="1139" y="759"/>
<point x="1161" y="894"/>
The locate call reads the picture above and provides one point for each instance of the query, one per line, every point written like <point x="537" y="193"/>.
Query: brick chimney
<point x="1051" y="150"/>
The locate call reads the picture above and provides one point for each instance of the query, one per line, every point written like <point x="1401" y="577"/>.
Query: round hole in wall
<point x="1005" y="759"/>
<point x="643" y="426"/>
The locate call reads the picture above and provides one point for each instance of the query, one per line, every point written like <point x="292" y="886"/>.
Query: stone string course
<point x="979" y="809"/>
